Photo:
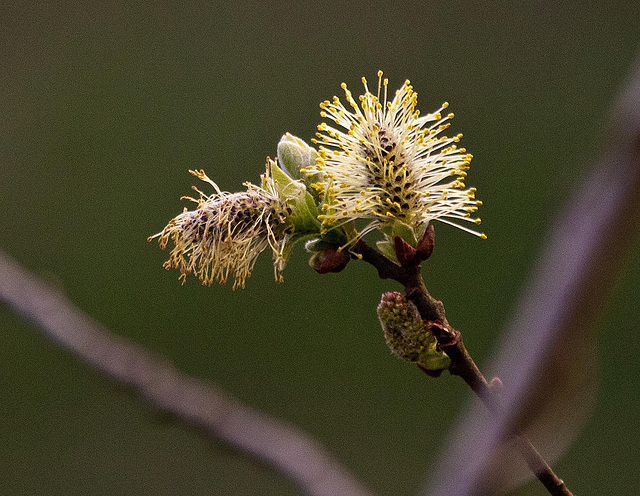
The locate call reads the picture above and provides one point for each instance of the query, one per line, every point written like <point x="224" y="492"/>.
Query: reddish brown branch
<point x="450" y="340"/>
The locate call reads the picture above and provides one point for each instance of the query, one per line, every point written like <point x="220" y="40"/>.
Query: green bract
<point x="304" y="213"/>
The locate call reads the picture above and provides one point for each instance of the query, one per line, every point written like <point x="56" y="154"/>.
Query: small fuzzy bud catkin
<point x="406" y="334"/>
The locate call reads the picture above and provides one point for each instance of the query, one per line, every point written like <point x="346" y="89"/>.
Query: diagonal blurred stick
<point x="545" y="360"/>
<point x="193" y="401"/>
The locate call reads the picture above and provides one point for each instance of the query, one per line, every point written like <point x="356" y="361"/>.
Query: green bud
<point x="294" y="154"/>
<point x="406" y="334"/>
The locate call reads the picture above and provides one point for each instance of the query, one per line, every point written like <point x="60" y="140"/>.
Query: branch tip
<point x="405" y="252"/>
<point x="426" y="244"/>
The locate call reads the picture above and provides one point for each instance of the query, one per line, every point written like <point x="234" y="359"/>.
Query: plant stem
<point x="462" y="364"/>
<point x="190" y="400"/>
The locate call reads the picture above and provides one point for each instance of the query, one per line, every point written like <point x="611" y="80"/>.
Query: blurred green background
<point x="104" y="107"/>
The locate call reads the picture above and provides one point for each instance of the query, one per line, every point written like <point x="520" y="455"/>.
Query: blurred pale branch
<point x="193" y="401"/>
<point x="546" y="359"/>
